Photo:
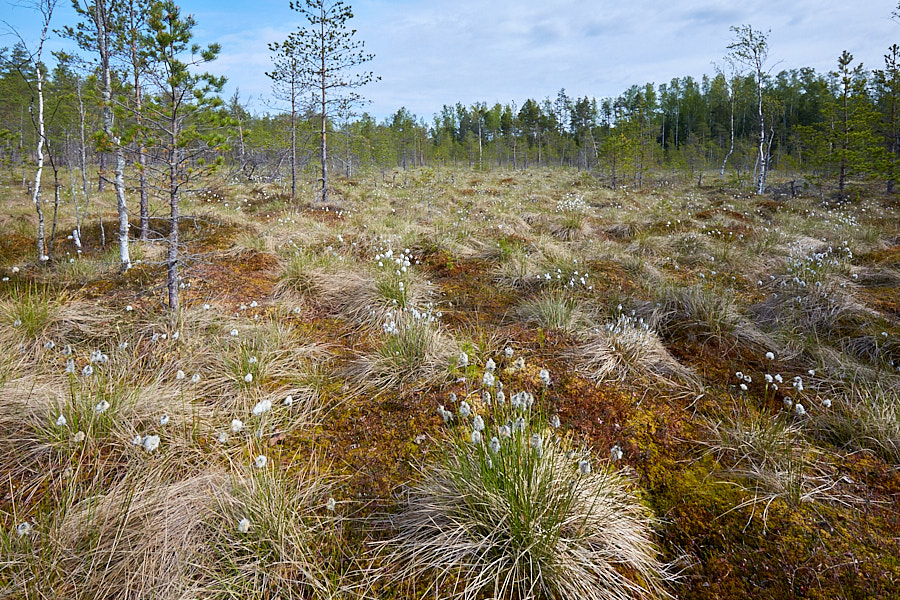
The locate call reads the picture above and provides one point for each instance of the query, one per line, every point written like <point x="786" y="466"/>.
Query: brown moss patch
<point x="233" y="279"/>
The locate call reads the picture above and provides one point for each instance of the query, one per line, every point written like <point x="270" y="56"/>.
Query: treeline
<point x="828" y="128"/>
<point x="816" y="125"/>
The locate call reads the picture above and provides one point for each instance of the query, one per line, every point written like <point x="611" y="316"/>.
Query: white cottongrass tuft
<point x="554" y="422"/>
<point x="179" y="375"/>
<point x="24" y="528"/>
<point x="78" y="437"/>
<point x="236" y="425"/>
<point x="195" y="378"/>
<point x="150" y="443"/>
<point x="464" y="409"/>
<point x="248" y="377"/>
<point x="508" y="351"/>
<point x="87" y="371"/>
<point x="770" y="355"/>
<point x="164" y="420"/>
<point x="544" y="376"/>
<point x="495" y="445"/>
<point x="61" y="421"/>
<point x="234" y="333"/>
<point x="478" y="423"/>
<point x="799" y="409"/>
<point x="223" y="438"/>
<point x="244" y="525"/>
<point x="488" y="380"/>
<point x="490" y="365"/>
<point x="289" y="401"/>
<point x="101" y="407"/>
<point x="262" y="407"/>
<point x="463" y="360"/>
<point x="476" y="436"/>
<point x="584" y="467"/>
<point x="331" y="504"/>
<point x="260" y="461"/>
<point x="445" y="414"/>
<point x="615" y="453"/>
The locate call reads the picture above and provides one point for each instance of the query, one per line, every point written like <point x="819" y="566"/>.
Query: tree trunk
<point x="324" y="153"/>
<point x="293" y="140"/>
<point x="139" y="120"/>
<point x="763" y="151"/>
<point x="100" y="16"/>
<point x="83" y="153"/>
<point x="36" y="192"/>
<point x="323" y="73"/>
<point x="172" y="256"/>
<point x="730" y="149"/>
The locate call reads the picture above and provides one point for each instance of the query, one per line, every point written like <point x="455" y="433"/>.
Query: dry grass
<point x="768" y="457"/>
<point x="412" y="353"/>
<point x="522" y="523"/>
<point x="555" y="309"/>
<point x="706" y="316"/>
<point x="863" y="418"/>
<point x="375" y="296"/>
<point x="629" y="350"/>
<point x="36" y="315"/>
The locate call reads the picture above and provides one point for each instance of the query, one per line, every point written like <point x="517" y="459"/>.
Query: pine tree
<point x="288" y="86"/>
<point x="183" y="121"/>
<point x="887" y="84"/>
<point x="327" y="56"/>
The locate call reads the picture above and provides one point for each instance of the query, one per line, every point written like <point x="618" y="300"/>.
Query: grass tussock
<point x="516" y="513"/>
<point x="706" y="316"/>
<point x="864" y="419"/>
<point x="412" y="352"/>
<point x="627" y="349"/>
<point x="768" y="457"/>
<point x="39" y="315"/>
<point x="553" y="310"/>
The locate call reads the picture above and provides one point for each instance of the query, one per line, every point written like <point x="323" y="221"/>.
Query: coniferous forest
<point x="643" y="346"/>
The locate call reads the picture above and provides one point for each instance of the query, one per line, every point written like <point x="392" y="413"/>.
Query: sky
<point x="434" y="52"/>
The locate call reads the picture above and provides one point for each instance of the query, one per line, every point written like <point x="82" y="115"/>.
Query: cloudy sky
<point x="434" y="52"/>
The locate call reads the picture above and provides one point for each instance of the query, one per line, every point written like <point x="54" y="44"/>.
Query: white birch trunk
<point x="36" y="193"/>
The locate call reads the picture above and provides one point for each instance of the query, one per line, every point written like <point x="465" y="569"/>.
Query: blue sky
<point x="432" y="52"/>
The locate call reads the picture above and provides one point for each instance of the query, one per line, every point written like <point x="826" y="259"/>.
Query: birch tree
<point x="95" y="34"/>
<point x="45" y="7"/>
<point x="750" y="48"/>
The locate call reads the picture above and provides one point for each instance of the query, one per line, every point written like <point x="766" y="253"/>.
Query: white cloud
<point x="431" y="52"/>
